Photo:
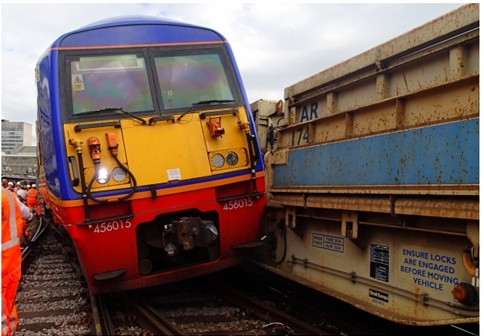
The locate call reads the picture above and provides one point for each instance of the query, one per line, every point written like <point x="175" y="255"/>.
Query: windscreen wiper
<point x="214" y="101"/>
<point x="130" y="114"/>
<point x="115" y="109"/>
<point x="205" y="102"/>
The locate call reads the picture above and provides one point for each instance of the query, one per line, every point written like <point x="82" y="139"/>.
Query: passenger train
<point x="148" y="154"/>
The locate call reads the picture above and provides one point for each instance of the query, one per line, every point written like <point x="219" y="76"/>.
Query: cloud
<point x="275" y="45"/>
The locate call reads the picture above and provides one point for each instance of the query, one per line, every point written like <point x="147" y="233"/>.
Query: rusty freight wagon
<point x="374" y="177"/>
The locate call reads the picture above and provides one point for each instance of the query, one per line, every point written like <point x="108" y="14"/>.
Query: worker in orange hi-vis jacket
<point x="32" y="200"/>
<point x="13" y="216"/>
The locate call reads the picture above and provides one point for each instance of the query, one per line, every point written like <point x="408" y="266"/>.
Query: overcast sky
<point x="275" y="45"/>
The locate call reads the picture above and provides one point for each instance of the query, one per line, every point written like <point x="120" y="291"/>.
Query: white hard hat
<point x="18" y="183"/>
<point x="33" y="185"/>
<point x="10" y="183"/>
<point x="28" y="185"/>
<point x="22" y="193"/>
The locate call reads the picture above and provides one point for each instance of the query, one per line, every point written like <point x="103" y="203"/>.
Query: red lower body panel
<point x="166" y="239"/>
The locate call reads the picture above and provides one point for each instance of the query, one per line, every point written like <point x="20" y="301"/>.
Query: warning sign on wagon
<point x="380" y="262"/>
<point x="326" y="242"/>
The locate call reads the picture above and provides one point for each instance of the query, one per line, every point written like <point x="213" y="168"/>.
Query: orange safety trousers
<point x="9" y="293"/>
<point x="12" y="227"/>
<point x="32" y="201"/>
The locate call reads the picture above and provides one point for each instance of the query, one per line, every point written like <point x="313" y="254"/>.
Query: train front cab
<point x="154" y="178"/>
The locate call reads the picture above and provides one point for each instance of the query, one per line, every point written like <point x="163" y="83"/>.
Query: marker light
<point x="118" y="174"/>
<point x="218" y="160"/>
<point x="232" y="158"/>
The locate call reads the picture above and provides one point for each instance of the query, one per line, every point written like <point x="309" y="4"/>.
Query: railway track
<point x="54" y="300"/>
<point x="209" y="307"/>
<point x="330" y="314"/>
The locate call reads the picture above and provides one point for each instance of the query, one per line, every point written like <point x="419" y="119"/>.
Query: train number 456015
<point x="238" y="204"/>
<point x="112" y="226"/>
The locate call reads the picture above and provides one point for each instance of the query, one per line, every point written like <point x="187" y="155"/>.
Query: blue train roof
<point x="131" y="20"/>
<point x="135" y="30"/>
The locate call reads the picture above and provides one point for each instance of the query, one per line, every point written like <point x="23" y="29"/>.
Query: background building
<point x="21" y="164"/>
<point x="19" y="157"/>
<point x="15" y="134"/>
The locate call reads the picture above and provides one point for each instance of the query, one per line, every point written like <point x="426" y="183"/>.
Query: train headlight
<point x="102" y="176"/>
<point x="118" y="174"/>
<point x="232" y="158"/>
<point x="218" y="160"/>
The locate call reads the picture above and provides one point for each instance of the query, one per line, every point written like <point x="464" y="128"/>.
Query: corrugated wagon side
<point x="374" y="177"/>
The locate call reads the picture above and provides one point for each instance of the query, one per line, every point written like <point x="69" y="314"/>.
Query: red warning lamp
<point x="466" y="294"/>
